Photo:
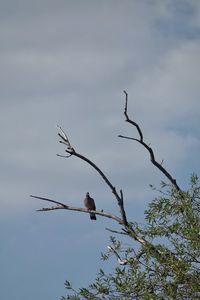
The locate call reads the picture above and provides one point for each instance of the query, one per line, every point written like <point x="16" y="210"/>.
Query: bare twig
<point x="64" y="206"/>
<point x="145" y="145"/>
<point x="116" y="231"/>
<point x="120" y="260"/>
<point x="129" y="120"/>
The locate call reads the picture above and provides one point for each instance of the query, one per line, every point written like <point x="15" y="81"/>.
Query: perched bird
<point x="90" y="205"/>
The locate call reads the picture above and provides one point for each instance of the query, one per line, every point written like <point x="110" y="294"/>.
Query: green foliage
<point x="167" y="265"/>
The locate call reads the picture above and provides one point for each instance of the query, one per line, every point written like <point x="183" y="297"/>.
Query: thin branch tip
<point x="147" y="146"/>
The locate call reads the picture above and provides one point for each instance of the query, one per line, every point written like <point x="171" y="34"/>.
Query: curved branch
<point x="128" y="228"/>
<point x="129" y="120"/>
<point x="71" y="151"/>
<point x="149" y="149"/>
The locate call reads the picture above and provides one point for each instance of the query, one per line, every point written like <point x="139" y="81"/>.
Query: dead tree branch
<point x="116" y="231"/>
<point x="127" y="227"/>
<point x="61" y="205"/>
<point x="140" y="140"/>
<point x="71" y="151"/>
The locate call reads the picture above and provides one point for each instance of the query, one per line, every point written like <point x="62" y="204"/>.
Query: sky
<point x="66" y="63"/>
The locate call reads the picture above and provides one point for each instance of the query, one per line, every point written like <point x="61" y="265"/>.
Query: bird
<point x="90" y="205"/>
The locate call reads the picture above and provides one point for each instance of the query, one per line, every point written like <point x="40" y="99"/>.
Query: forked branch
<point x="61" y="205"/>
<point x="127" y="227"/>
<point x="71" y="151"/>
<point x="140" y="140"/>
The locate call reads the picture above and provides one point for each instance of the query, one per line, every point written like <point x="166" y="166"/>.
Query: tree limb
<point x="149" y="149"/>
<point x="128" y="228"/>
<point x="61" y="205"/>
<point x="71" y="151"/>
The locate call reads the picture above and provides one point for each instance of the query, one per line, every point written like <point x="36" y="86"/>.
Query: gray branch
<point x="61" y="205"/>
<point x="146" y="146"/>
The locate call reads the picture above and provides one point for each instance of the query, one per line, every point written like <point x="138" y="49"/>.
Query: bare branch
<point x="63" y="134"/>
<point x="120" y="261"/>
<point x="50" y="200"/>
<point x="116" y="231"/>
<point x="129" y="120"/>
<point x="129" y="231"/>
<point x="65" y="140"/>
<point x="149" y="149"/>
<point x="71" y="151"/>
<point x="128" y="228"/>
<point x="64" y="156"/>
<point x="61" y="205"/>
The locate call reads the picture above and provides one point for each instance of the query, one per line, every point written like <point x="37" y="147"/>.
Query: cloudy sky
<point x="67" y="62"/>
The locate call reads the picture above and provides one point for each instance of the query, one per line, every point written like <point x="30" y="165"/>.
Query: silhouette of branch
<point x="116" y="231"/>
<point x="61" y="205"/>
<point x="128" y="228"/>
<point x="71" y="151"/>
<point x="140" y="140"/>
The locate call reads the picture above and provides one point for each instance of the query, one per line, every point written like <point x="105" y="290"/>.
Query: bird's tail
<point x="93" y="216"/>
